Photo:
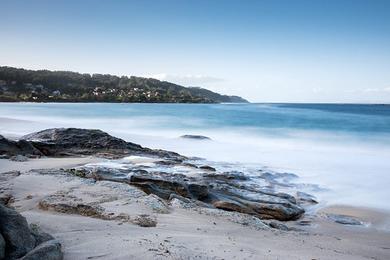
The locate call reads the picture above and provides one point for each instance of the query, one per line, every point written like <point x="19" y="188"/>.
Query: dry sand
<point x="181" y="233"/>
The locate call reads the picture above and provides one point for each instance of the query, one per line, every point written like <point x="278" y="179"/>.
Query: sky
<point x="265" y="51"/>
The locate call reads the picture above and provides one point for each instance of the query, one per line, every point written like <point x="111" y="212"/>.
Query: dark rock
<point x="40" y="237"/>
<point x="49" y="250"/>
<point x="344" y="219"/>
<point x="279" y="226"/>
<point x="16" y="233"/>
<point x="282" y="212"/>
<point x="160" y="185"/>
<point x="220" y="195"/>
<point x="189" y="165"/>
<point x="2" y="247"/>
<point x="6" y="176"/>
<point x="207" y="168"/>
<point x="303" y="197"/>
<point x="10" y="148"/>
<point x="167" y="163"/>
<point x="226" y="176"/>
<point x="196" y="137"/>
<point x="224" y="192"/>
<point x="5" y="198"/>
<point x="68" y="141"/>
<point x="198" y="191"/>
<point x="76" y="141"/>
<point x="304" y="222"/>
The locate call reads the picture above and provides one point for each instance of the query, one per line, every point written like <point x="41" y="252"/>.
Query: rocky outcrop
<point x="219" y="191"/>
<point x="230" y="191"/>
<point x="75" y="141"/>
<point x="71" y="141"/>
<point x="9" y="148"/>
<point x="17" y="240"/>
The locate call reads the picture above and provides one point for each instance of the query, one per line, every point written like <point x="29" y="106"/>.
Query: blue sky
<point x="266" y="51"/>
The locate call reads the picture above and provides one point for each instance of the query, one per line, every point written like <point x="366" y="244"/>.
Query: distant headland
<point x="18" y="85"/>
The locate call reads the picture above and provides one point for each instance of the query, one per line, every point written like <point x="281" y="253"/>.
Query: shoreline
<point x="182" y="232"/>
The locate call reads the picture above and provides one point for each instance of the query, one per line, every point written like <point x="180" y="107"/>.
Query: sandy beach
<point x="181" y="233"/>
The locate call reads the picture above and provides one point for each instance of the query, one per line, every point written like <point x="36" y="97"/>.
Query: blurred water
<point x="344" y="148"/>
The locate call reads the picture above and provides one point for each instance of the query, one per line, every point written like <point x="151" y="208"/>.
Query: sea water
<point x="342" y="148"/>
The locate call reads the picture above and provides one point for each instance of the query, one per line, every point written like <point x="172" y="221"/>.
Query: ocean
<point x="342" y="149"/>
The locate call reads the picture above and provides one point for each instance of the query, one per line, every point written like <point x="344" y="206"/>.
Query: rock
<point x="163" y="185"/>
<point x="9" y="148"/>
<point x="160" y="186"/>
<point x="196" y="137"/>
<point x="70" y="207"/>
<point x="207" y="168"/>
<point x="2" y="247"/>
<point x="40" y="237"/>
<point x="226" y="176"/>
<point x="76" y="141"/>
<point x="262" y="210"/>
<point x="279" y="226"/>
<point x="16" y="233"/>
<point x="19" y="158"/>
<point x="6" y="176"/>
<point x="5" y="198"/>
<point x="68" y="141"/>
<point x="145" y="220"/>
<point x="306" y="198"/>
<point x="156" y="203"/>
<point x="344" y="219"/>
<point x="198" y="191"/>
<point x="226" y="192"/>
<point x="49" y="250"/>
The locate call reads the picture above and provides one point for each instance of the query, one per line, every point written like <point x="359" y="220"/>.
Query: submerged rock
<point x="207" y="168"/>
<point x="344" y="219"/>
<point x="303" y="197"/>
<point x="196" y="137"/>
